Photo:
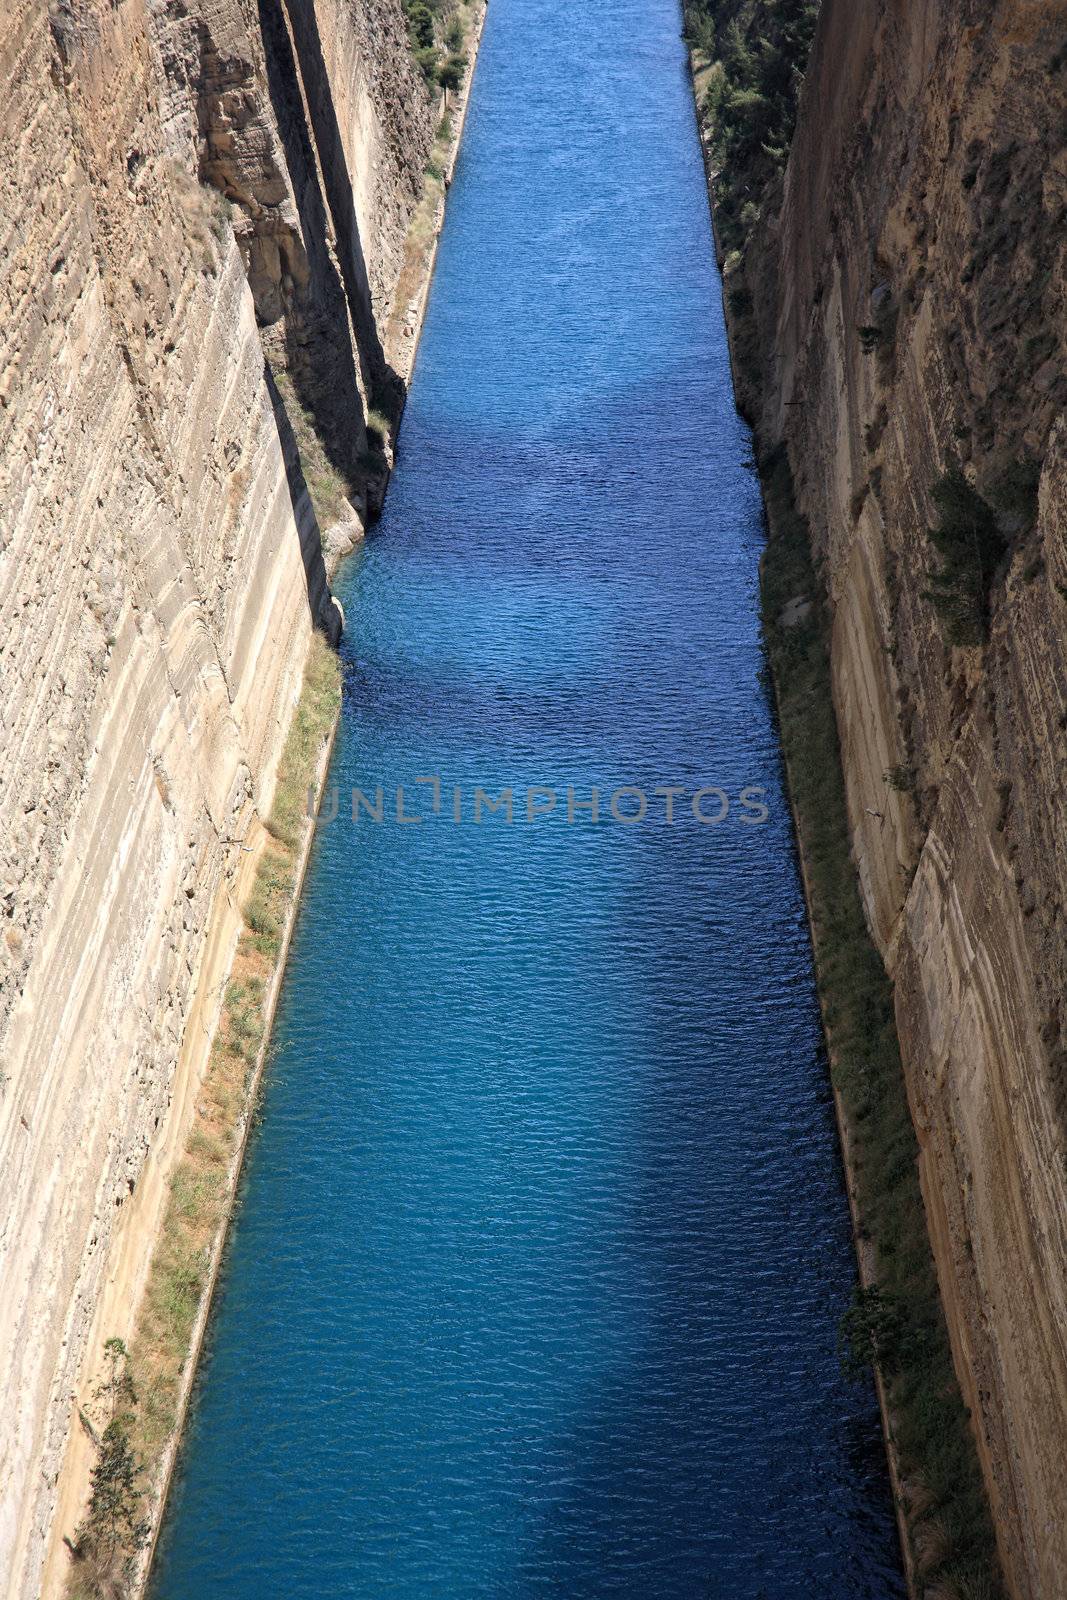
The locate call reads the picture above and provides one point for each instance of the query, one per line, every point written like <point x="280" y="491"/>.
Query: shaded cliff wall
<point x="926" y="197"/>
<point x="193" y="197"/>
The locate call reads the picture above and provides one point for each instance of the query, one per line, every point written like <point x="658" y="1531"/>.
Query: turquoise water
<point x="543" y="1239"/>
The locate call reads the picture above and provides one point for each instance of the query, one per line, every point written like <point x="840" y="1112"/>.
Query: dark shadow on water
<point x="592" y="1550"/>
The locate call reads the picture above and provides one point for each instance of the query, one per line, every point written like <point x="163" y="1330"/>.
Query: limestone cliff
<point x="909" y="290"/>
<point x="202" y="212"/>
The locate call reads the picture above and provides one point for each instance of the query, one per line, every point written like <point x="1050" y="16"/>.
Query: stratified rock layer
<point x="926" y="196"/>
<point x="193" y="198"/>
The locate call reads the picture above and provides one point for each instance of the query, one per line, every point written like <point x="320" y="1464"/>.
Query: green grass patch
<point x="315" y="715"/>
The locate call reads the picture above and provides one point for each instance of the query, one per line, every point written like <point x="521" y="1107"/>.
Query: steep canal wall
<point x="896" y="296"/>
<point x="207" y="220"/>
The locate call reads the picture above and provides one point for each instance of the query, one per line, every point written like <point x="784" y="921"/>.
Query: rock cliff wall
<point x="910" y="298"/>
<point x="202" y="211"/>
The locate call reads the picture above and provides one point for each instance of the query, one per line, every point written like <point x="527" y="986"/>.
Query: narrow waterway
<point x="543" y="1239"/>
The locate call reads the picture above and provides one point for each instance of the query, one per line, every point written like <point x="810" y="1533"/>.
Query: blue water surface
<point x="543" y="1240"/>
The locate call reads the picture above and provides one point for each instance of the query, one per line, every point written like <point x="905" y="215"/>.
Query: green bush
<point x="970" y="546"/>
<point x="759" y="49"/>
<point x="450" y="72"/>
<point x="113" y="1529"/>
<point x="699" y="30"/>
<point x="902" y="779"/>
<point x="379" y="428"/>
<point x="871" y="1331"/>
<point x="420" y="23"/>
<point x="426" y="59"/>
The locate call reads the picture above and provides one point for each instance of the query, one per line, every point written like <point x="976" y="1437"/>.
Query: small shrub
<point x="870" y="1331"/>
<point x="378" y="427"/>
<point x="113" y="1529"/>
<point x="750" y="214"/>
<point x="698" y="30"/>
<point x="387" y="402"/>
<point x="901" y="778"/>
<point x="970" y="546"/>
<point x="714" y="90"/>
<point x="420" y="23"/>
<point x="450" y="72"/>
<point x="426" y="59"/>
<point x="260" y="913"/>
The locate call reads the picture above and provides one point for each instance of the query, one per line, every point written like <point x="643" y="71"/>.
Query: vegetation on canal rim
<point x="896" y="1321"/>
<point x="431" y="24"/>
<point x="141" y="1392"/>
<point x="113" y="1529"/>
<point x="757" y="50"/>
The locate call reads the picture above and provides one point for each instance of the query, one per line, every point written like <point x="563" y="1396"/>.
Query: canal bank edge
<point x="797" y="711"/>
<point x="403" y="329"/>
<point x="325" y="731"/>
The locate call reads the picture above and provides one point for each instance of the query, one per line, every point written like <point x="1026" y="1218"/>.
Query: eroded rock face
<point x="187" y="191"/>
<point x="927" y="194"/>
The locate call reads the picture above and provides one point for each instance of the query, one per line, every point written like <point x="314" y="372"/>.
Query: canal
<point x="543" y="1240"/>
